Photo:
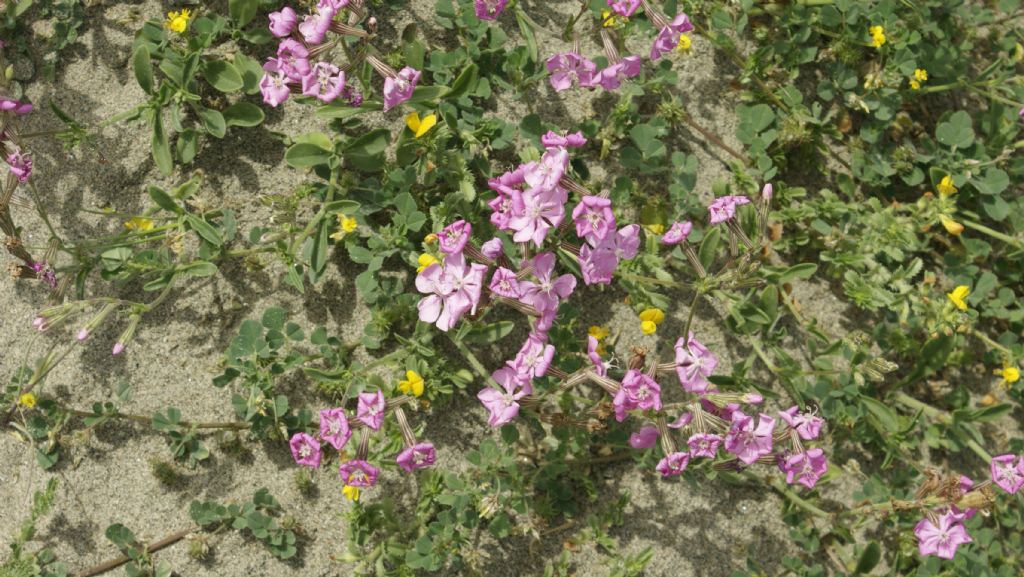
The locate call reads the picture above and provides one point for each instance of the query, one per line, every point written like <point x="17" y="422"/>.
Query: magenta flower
<point x="724" y="208"/>
<point x="767" y="191"/>
<point x="15" y="106"/>
<point x="569" y="66"/>
<point x="535" y="215"/>
<point x="694" y="364"/>
<point x="325" y="81"/>
<point x="804" y="468"/>
<point x="554" y="140"/>
<point x="274" y="86"/>
<point x="668" y="37"/>
<point x="333" y="4"/>
<point x="399" y="88"/>
<point x="501" y="404"/>
<point x="20" y="164"/>
<point x="941" y="540"/>
<point x="493" y="249"/>
<point x="489" y="9"/>
<point x="598" y="264"/>
<point x="600" y="366"/>
<point x="371" y="409"/>
<point x="314" y="26"/>
<point x="677" y="233"/>
<point x="594" y="218"/>
<point x="673" y="464"/>
<point x="645" y="438"/>
<point x="282" y="23"/>
<point x="534" y="358"/>
<point x="747" y="442"/>
<point x="418" y="456"/>
<point x="966" y="484"/>
<point x="358" y="473"/>
<point x="704" y="445"/>
<point x="292" y="59"/>
<point x="454" y="237"/>
<point x="807" y="425"/>
<point x="546" y="293"/>
<point x="611" y="77"/>
<point x="334" y="427"/>
<point x="638" y="391"/>
<point x="681" y="421"/>
<point x="452" y="290"/>
<point x="544" y="175"/>
<point x="305" y="450"/>
<point x="504" y="283"/>
<point x="1007" y="474"/>
<point x="624" y="8"/>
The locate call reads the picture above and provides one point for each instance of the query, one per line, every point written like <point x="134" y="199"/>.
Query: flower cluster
<point x="336" y="430"/>
<point x="302" y="64"/>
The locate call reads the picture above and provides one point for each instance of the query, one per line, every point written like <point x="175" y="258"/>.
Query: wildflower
<point x="804" y="468"/>
<point x="877" y="36"/>
<point x="398" y="88"/>
<point x="673" y="464"/>
<point x="650" y="319"/>
<point x="555" y="140"/>
<point x="351" y="493"/>
<point x="274" y="85"/>
<point x="425" y="260"/>
<point x="346" y="225"/>
<point x="334" y="427"/>
<point x="371" y="409"/>
<point x="282" y="23"/>
<point x="489" y="9"/>
<point x="638" y="391"/>
<point x="543" y="176"/>
<point x="534" y="357"/>
<point x="15" y="106"/>
<point x="292" y="59"/>
<point x="624" y="8"/>
<point x="412" y="385"/>
<point x="568" y="67"/>
<point x="942" y="539"/>
<point x="418" y="456"/>
<point x="27" y="400"/>
<point x="594" y="352"/>
<point x="958" y="295"/>
<point x="547" y="292"/>
<point x="656" y="228"/>
<point x="684" y="43"/>
<point x="139" y="224"/>
<point x="178" y="21"/>
<point x="920" y="75"/>
<point x="952" y="227"/>
<point x="305" y="450"/>
<point x="419" y="126"/>
<point x="538" y="215"/>
<point x="1008" y="472"/>
<point x="609" y="21"/>
<point x="807" y="425"/>
<point x="671" y="36"/>
<point x="724" y="208"/>
<point x="677" y="233"/>
<point x="493" y="248"/>
<point x="501" y="403"/>
<point x="324" y="81"/>
<point x="593" y="218"/>
<point x="452" y="290"/>
<point x="315" y="25"/>
<point x="598" y="263"/>
<point x="946" y="186"/>
<point x="505" y="283"/>
<point x="358" y="473"/>
<point x="454" y="237"/>
<point x="645" y="438"/>
<point x="704" y="444"/>
<point x="694" y="363"/>
<point x="1010" y="374"/>
<point x="599" y="332"/>
<point x="747" y="442"/>
<point x="611" y="77"/>
<point x="20" y="164"/>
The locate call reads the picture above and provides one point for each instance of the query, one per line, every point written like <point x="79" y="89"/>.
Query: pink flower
<point x="325" y="81"/>
<point x="724" y="208"/>
<point x="534" y="357"/>
<point x="673" y="464"/>
<point x="598" y="264"/>
<point x="15" y="106"/>
<point x="767" y="191"/>
<point x="569" y="66"/>
<point x="704" y="445"/>
<point x="611" y="77"/>
<point x="20" y="164"/>
<point x="398" y="89"/>
<point x="668" y="37"/>
<point x="493" y="249"/>
<point x="966" y="484"/>
<point x="292" y="59"/>
<point x="807" y="425"/>
<point x="554" y="140"/>
<point x="941" y="540"/>
<point x="282" y="23"/>
<point x="504" y="283"/>
<point x="544" y="175"/>
<point x="677" y="233"/>
<point x="489" y="9"/>
<point x="645" y="438"/>
<point x="454" y="237"/>
<point x="509" y="187"/>
<point x="501" y="404"/>
<point x="1006" y="474"/>
<point x="681" y="421"/>
<point x="358" y="473"/>
<point x="334" y="427"/>
<point x="600" y="366"/>
<point x="305" y="450"/>
<point x="314" y="26"/>
<point x="333" y="4"/>
<point x="747" y="442"/>
<point x="594" y="218"/>
<point x="418" y="456"/>
<point x="624" y="8"/>
<point x="804" y="468"/>
<point x="371" y="409"/>
<point x="638" y="391"/>
<point x="452" y="290"/>
<point x="274" y="86"/>
<point x="546" y="293"/>
<point x="694" y="363"/>
<point x="534" y="215"/>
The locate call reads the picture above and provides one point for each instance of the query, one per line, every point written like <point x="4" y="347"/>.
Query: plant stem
<point x="991" y="232"/>
<point x="148" y="420"/>
<point x="473" y="361"/>
<point x="715" y="139"/>
<point x="116" y="562"/>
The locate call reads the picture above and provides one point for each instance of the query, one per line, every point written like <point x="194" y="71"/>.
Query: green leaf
<point x="161" y="148"/>
<point x="462" y="84"/>
<point x="222" y="75"/>
<point x="273" y="318"/>
<point x="242" y="11"/>
<point x="341" y="206"/>
<point x="869" y="558"/>
<point x="995" y="181"/>
<point x="163" y="200"/>
<point x="526" y="29"/>
<point x="709" y="247"/>
<point x="304" y="154"/>
<point x="489" y="333"/>
<point x="367" y="151"/>
<point x="143" y="67"/>
<point x="213" y="122"/>
<point x="243" y="114"/>
<point x="187" y="145"/>
<point x="251" y="72"/>
<point x="204" y="229"/>
<point x="957" y="131"/>
<point x="885" y="415"/>
<point x="200" y="268"/>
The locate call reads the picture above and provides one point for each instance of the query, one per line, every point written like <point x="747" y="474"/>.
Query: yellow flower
<point x="610" y="21"/>
<point x="946" y="186"/>
<point x="412" y="385"/>
<point x="424" y="261"/>
<point x="1011" y="374"/>
<point x="650" y="319"/>
<point x="430" y="238"/>
<point x="28" y="400"/>
<point x="139" y="224"/>
<point x="599" y="332"/>
<point x="684" y="43"/>
<point x="648" y="327"/>
<point x="952" y="227"/>
<point x="346" y="225"/>
<point x="877" y="36"/>
<point x="177" y="21"/>
<point x="418" y="126"/>
<point x="920" y="74"/>
<point x="915" y="85"/>
<point x="656" y="228"/>
<point x="958" y="295"/>
<point x="351" y="493"/>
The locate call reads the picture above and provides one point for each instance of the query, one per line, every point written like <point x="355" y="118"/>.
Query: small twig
<point x="116" y="562"/>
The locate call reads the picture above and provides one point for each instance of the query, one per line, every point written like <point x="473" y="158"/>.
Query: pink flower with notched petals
<point x="315" y="25"/>
<point x="638" y="391"/>
<point x="371" y="409"/>
<point x="704" y="444"/>
<point x="694" y="364"/>
<point x="724" y="207"/>
<point x="325" y="81"/>
<point x="493" y="249"/>
<point x="501" y="403"/>
<point x="547" y="292"/>
<point x="533" y="216"/>
<point x="600" y="366"/>
<point x="534" y="358"/>
<point x="598" y="264"/>
<point x="305" y="450"/>
<point x="624" y="8"/>
<point x="282" y="23"/>
<point x="398" y="89"/>
<point x="593" y="218"/>
<point x="807" y="425"/>
<point x="804" y="468"/>
<point x="505" y="283"/>
<point x="677" y="233"/>
<point x="611" y="77"/>
<point x="454" y="237"/>
<point x="747" y="442"/>
<point x="418" y="456"/>
<point x="334" y="427"/>
<point x="545" y="174"/>
<point x="274" y="84"/>
<point x="645" y="438"/>
<point x="452" y="290"/>
<point x="554" y="140"/>
<point x="1008" y="472"/>
<point x="20" y="164"/>
<point x="941" y="538"/>
<point x="568" y="67"/>
<point x="333" y="4"/>
<point x="358" y="473"/>
<point x="668" y="37"/>
<point x="489" y="9"/>
<point x="292" y="59"/>
<point x="673" y="464"/>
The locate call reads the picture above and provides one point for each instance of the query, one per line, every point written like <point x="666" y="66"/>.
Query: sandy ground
<point x="694" y="528"/>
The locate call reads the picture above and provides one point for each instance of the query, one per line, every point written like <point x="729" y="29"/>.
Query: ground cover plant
<point x="488" y="287"/>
